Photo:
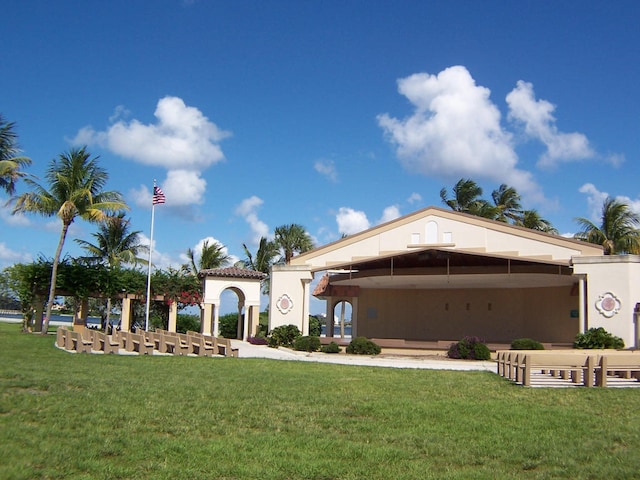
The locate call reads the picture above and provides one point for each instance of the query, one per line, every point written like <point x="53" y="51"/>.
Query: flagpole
<point x="153" y="211"/>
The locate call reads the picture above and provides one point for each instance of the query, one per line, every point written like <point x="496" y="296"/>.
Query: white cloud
<point x="351" y="221"/>
<point x="539" y="123"/>
<point x="414" y="198"/>
<point x="596" y="198"/>
<point x="248" y="210"/>
<point x="390" y="213"/>
<point x="454" y="131"/>
<point x="11" y="257"/>
<point x="181" y="188"/>
<point x="326" y="168"/>
<point x="182" y="136"/>
<point x="197" y="249"/>
<point x="17" y="220"/>
<point x="159" y="260"/>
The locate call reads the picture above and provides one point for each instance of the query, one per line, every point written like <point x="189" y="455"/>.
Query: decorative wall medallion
<point x="608" y="304"/>
<point x="284" y="304"/>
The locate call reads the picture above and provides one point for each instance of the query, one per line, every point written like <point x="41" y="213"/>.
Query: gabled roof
<point x="445" y="230"/>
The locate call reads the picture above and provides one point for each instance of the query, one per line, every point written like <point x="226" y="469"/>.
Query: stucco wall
<point x="618" y="276"/>
<point x="544" y="314"/>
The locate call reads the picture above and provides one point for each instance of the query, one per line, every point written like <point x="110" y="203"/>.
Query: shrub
<point x="228" y="325"/>
<point x="307" y="344"/>
<point x="597" y="338"/>
<point x="526" y="344"/>
<point x="283" y="336"/>
<point x="469" y="348"/>
<point x="315" y="325"/>
<point x="363" y="346"/>
<point x="186" y="322"/>
<point x="333" y="347"/>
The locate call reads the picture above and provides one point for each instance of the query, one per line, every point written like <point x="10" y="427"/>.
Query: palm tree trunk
<point x="54" y="274"/>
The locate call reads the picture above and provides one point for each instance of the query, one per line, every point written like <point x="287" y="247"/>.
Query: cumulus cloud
<point x="454" y="131"/>
<point x="539" y="123"/>
<point x="390" y="213"/>
<point x="596" y="198"/>
<point x="351" y="221"/>
<point x="17" y="220"/>
<point x="326" y="168"/>
<point x="197" y="250"/>
<point x="248" y="210"/>
<point x="183" y="141"/>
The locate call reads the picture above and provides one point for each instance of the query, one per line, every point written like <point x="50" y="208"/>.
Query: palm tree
<point x="466" y="199"/>
<point x="292" y="239"/>
<point x="531" y="219"/>
<point x="618" y="233"/>
<point x="264" y="258"/>
<point x="507" y="204"/>
<point x="75" y="189"/>
<point x="115" y="246"/>
<point x="10" y="162"/>
<point x="212" y="256"/>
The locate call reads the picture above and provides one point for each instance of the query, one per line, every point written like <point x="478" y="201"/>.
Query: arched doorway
<point x="342" y="314"/>
<point x="245" y="284"/>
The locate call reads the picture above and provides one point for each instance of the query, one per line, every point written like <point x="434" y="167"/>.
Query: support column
<point x="37" y="323"/>
<point x="205" y="322"/>
<point x="125" y="314"/>
<point x="80" y="316"/>
<point x="216" y="320"/>
<point x="329" y="317"/>
<point x="173" y="316"/>
<point x="239" y="321"/>
<point x="581" y="305"/>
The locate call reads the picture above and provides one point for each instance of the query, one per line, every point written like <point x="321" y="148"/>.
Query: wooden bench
<point x="76" y="342"/>
<point x="137" y="343"/>
<point x="225" y="348"/>
<point x="105" y="343"/>
<point x="616" y="364"/>
<point x="61" y="337"/>
<point x="579" y="366"/>
<point x="199" y="345"/>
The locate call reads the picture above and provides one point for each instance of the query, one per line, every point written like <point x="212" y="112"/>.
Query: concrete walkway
<point x="388" y="358"/>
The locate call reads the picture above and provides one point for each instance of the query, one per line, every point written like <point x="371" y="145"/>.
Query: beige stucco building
<point x="438" y="275"/>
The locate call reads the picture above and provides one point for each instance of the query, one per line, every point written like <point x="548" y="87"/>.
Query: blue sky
<point x="337" y="115"/>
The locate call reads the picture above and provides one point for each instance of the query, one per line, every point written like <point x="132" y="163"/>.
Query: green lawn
<point x="119" y="417"/>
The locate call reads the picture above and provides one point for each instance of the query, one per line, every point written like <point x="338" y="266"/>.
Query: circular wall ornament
<point x="284" y="304"/>
<point x="608" y="304"/>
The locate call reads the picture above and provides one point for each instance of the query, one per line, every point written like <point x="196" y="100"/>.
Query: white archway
<point x="246" y="284"/>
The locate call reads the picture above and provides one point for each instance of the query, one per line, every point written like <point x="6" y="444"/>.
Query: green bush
<point x="526" y="344"/>
<point x="283" y="336"/>
<point x="363" y="346"/>
<point x="307" y="344"/>
<point x="315" y="325"/>
<point x="597" y="338"/>
<point x="469" y="348"/>
<point x="186" y="322"/>
<point x="333" y="347"/>
<point x="228" y="325"/>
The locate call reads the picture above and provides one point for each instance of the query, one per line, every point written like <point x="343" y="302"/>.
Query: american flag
<point x="158" y="196"/>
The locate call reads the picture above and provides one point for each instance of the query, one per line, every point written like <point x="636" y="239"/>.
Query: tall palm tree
<point x="115" y="245"/>
<point x="467" y="199"/>
<point x="618" y="232"/>
<point x="531" y="219"/>
<point x="10" y="162"/>
<point x="75" y="189"/>
<point x="292" y="239"/>
<point x="212" y="256"/>
<point x="507" y="204"/>
<point x="264" y="258"/>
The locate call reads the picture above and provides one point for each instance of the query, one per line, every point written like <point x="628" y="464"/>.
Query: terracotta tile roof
<point x="232" y="272"/>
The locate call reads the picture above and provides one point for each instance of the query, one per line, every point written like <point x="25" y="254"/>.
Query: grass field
<point x="87" y="416"/>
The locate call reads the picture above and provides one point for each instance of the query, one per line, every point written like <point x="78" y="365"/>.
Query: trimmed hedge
<point x="363" y="346"/>
<point x="526" y="344"/>
<point x="307" y="344"/>
<point x="283" y="336"/>
<point x="332" y="347"/>
<point x="469" y="348"/>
